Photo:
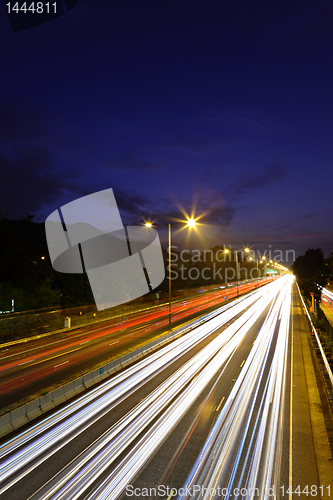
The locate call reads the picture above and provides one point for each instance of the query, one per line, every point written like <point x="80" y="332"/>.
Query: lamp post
<point x="250" y="259"/>
<point x="189" y="223"/>
<point x="227" y="251"/>
<point x="264" y="258"/>
<point x="237" y="273"/>
<point x="237" y="277"/>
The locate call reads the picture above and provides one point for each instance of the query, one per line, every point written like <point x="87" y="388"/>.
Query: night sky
<point x="220" y="108"/>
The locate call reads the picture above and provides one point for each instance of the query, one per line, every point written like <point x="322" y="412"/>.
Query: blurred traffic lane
<point x="236" y="338"/>
<point x="27" y="373"/>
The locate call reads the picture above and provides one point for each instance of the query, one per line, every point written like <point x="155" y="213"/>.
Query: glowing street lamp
<point x="189" y="223"/>
<point x="264" y="258"/>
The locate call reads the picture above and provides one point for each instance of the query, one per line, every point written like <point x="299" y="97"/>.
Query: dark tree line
<point x="26" y="273"/>
<point x="313" y="272"/>
<point x="27" y="276"/>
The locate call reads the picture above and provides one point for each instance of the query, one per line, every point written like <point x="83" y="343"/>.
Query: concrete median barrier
<point x="78" y="385"/>
<point x="88" y="380"/>
<point x="33" y="409"/>
<point x="5" y="425"/>
<point x="97" y="376"/>
<point x="46" y="402"/>
<point x="104" y="372"/>
<point x="110" y="368"/>
<point x="58" y="396"/>
<point x="19" y="417"/>
<point x="69" y="390"/>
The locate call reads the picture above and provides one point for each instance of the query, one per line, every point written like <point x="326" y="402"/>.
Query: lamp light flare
<point x="191" y="222"/>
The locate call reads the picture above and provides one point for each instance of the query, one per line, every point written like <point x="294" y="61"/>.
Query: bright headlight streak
<point x="240" y="482"/>
<point x="240" y="449"/>
<point x="18" y="441"/>
<point x="203" y="465"/>
<point x="165" y="393"/>
<point x="233" y="424"/>
<point x="277" y="458"/>
<point x="208" y="475"/>
<point x="268" y="426"/>
<point x="129" y="380"/>
<point x="217" y="452"/>
<point x="275" y="384"/>
<point x="160" y="398"/>
<point x="116" y="482"/>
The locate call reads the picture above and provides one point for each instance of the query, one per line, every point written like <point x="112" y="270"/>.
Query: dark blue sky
<point x="222" y="106"/>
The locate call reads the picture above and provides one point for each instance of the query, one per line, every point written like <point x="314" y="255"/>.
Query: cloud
<point x="211" y="207"/>
<point x="28" y="182"/>
<point x="249" y="122"/>
<point x="20" y="122"/>
<point x="136" y="208"/>
<point x="25" y="184"/>
<point x="272" y="173"/>
<point x="276" y="240"/>
<point x="130" y="162"/>
<point x="310" y="216"/>
<point x="133" y="206"/>
<point x="312" y="235"/>
<point x="207" y="204"/>
<point x="34" y="152"/>
<point x="280" y="228"/>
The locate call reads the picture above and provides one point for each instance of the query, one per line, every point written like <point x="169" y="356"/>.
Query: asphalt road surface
<point x="233" y="409"/>
<point x="28" y="369"/>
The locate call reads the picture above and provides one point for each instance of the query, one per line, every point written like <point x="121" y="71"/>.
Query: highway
<point x="224" y="411"/>
<point x="28" y="369"/>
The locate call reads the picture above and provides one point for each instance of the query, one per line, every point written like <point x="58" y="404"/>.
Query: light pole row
<point x="191" y="223"/>
<point x="227" y="250"/>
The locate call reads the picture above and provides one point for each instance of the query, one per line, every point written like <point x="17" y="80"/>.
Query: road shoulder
<point x="319" y="413"/>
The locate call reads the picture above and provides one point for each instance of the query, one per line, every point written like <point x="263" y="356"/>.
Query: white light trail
<point x="224" y="446"/>
<point x="70" y="484"/>
<point x="42" y="440"/>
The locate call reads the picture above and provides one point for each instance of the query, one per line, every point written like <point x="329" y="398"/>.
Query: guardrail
<point x="327" y="366"/>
